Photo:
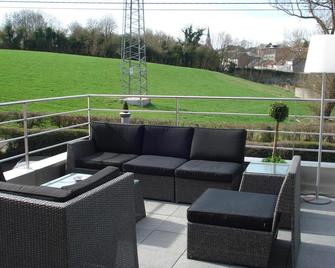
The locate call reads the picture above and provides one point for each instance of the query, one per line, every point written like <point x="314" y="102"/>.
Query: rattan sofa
<point x="239" y="227"/>
<point x="94" y="229"/>
<point x="172" y="163"/>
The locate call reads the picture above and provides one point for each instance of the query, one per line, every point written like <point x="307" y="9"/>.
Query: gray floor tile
<point x="155" y="258"/>
<point x="181" y="211"/>
<point x="183" y="262"/>
<point x="314" y="256"/>
<point x="141" y="234"/>
<point x="161" y="208"/>
<point x="170" y="242"/>
<point x="317" y="224"/>
<point x="151" y="221"/>
<point x="174" y="224"/>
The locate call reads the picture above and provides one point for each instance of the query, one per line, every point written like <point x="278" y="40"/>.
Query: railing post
<point x="177" y="112"/>
<point x="89" y="115"/>
<point x="25" y="134"/>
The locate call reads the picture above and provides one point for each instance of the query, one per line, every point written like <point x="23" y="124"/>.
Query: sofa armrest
<point x="77" y="150"/>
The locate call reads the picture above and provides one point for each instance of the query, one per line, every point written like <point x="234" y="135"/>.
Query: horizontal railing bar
<point x="56" y="145"/>
<point x="12" y="139"/>
<point x="206" y="113"/>
<point x="144" y="111"/>
<point x="56" y="129"/>
<point x="12" y="158"/>
<point x="42" y="100"/>
<point x="290" y="132"/>
<point x="55" y="114"/>
<point x="251" y="114"/>
<point x="290" y="148"/>
<point x="11" y="121"/>
<point x="166" y="97"/>
<point x="210" y="97"/>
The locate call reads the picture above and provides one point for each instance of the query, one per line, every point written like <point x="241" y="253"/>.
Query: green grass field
<point x="29" y="75"/>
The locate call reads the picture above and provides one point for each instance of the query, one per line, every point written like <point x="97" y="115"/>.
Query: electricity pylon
<point x="133" y="52"/>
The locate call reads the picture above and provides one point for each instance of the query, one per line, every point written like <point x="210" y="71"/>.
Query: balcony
<point x="162" y="234"/>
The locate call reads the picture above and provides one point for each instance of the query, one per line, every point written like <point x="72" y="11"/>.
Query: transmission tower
<point x="133" y="53"/>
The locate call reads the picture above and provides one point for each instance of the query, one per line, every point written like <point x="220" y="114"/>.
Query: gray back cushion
<point x="167" y="141"/>
<point x="117" y="138"/>
<point x="219" y="144"/>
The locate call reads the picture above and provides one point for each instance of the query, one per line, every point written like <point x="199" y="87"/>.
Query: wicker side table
<point x="266" y="178"/>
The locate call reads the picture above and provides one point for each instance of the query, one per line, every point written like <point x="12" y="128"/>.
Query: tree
<point x="279" y="112"/>
<point x="190" y="43"/>
<point x="25" y="23"/>
<point x="323" y="12"/>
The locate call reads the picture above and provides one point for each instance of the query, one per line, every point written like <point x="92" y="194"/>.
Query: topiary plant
<point x="279" y="112"/>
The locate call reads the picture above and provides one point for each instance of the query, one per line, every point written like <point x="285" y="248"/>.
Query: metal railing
<point x="177" y="112"/>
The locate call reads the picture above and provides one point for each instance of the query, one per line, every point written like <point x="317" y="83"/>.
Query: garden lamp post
<point x="320" y="59"/>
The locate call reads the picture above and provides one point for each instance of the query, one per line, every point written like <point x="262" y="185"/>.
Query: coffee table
<point x="66" y="180"/>
<point x="265" y="178"/>
<point x="73" y="178"/>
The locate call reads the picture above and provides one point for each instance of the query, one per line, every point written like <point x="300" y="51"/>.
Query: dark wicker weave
<point x="289" y="204"/>
<point x="188" y="190"/>
<point x="266" y="184"/>
<point x="95" y="229"/>
<point x="77" y="150"/>
<point x="242" y="246"/>
<point x="139" y="201"/>
<point x="271" y="184"/>
<point x="156" y="187"/>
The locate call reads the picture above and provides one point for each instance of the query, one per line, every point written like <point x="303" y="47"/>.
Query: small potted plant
<point x="125" y="114"/>
<point x="279" y="112"/>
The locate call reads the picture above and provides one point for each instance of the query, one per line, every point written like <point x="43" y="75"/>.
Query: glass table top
<point x="267" y="168"/>
<point x="66" y="180"/>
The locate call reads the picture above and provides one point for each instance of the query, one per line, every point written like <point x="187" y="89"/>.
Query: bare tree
<point x="323" y="12"/>
<point x="107" y="26"/>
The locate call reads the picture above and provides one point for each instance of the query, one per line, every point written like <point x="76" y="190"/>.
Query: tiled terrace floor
<point x="162" y="238"/>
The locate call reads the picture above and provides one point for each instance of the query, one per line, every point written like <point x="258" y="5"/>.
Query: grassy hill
<point x="29" y="75"/>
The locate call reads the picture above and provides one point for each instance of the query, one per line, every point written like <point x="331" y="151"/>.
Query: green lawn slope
<point x="29" y="75"/>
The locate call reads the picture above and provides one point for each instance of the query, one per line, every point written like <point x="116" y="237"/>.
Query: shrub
<point x="279" y="112"/>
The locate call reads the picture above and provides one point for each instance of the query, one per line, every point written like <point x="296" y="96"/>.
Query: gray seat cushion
<point x="218" y="144"/>
<point x="252" y="211"/>
<point x="117" y="138"/>
<point x="167" y="141"/>
<point x="102" y="159"/>
<point x="209" y="170"/>
<point x="154" y="165"/>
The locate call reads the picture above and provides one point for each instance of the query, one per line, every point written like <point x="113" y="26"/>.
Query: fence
<point x="177" y="112"/>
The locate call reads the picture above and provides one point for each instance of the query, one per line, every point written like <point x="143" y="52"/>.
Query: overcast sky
<point x="259" y="26"/>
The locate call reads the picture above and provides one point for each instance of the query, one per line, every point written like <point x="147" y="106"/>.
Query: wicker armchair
<point x="232" y="244"/>
<point x="94" y="229"/>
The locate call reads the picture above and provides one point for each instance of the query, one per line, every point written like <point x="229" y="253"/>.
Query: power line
<point x="153" y="9"/>
<point x="145" y="3"/>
